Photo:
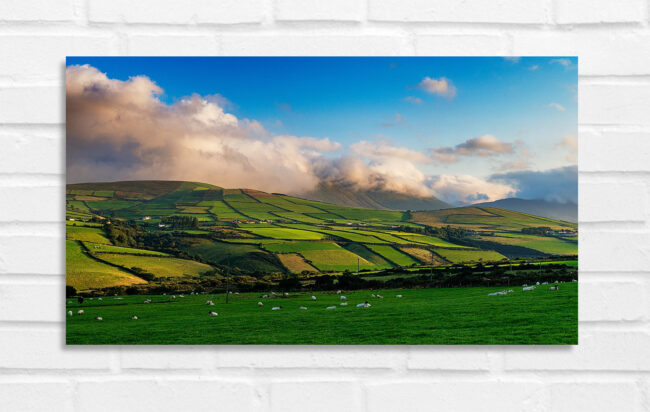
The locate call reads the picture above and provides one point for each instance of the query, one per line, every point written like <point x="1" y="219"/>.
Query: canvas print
<point x="321" y="200"/>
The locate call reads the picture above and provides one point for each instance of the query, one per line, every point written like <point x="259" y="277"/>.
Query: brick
<point x="25" y="204"/>
<point x="313" y="45"/>
<point x="32" y="255"/>
<point x="37" y="10"/>
<point x="594" y="396"/>
<point x="613" y="251"/>
<point x="460" y="45"/>
<point x="600" y="52"/>
<point x="165" y="395"/>
<point x="613" y="200"/>
<point x="29" y="152"/>
<point x="38" y="57"/>
<point x="454" y="396"/>
<point x="319" y="396"/>
<point x="36" y="396"/>
<point x="178" y="45"/>
<point x="166" y="358"/>
<point x="45" y="349"/>
<point x="471" y="11"/>
<point x="622" y="151"/>
<point x="306" y="357"/>
<point x="340" y="10"/>
<point x="173" y="12"/>
<point x="32" y="302"/>
<point x="449" y="358"/>
<point x="611" y="301"/>
<point x="599" y="11"/>
<point x="45" y="104"/>
<point x="597" y="351"/>
<point x="617" y="104"/>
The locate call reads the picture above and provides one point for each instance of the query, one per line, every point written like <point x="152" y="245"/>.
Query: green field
<point x="550" y="245"/>
<point x="103" y="248"/>
<point x="392" y="254"/>
<point x="423" y="316"/>
<point x="84" y="272"/>
<point x="86" y="234"/>
<point x="158" y="265"/>
<point x="336" y="260"/>
<point x="461" y="256"/>
<point x="284" y="233"/>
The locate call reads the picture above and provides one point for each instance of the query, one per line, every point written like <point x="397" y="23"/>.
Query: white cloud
<point x="384" y="151"/>
<point x="441" y="87"/>
<point x="413" y="100"/>
<point x="570" y="143"/>
<point x="463" y="189"/>
<point x="482" y="146"/>
<point x="556" y="106"/>
<point x="566" y="63"/>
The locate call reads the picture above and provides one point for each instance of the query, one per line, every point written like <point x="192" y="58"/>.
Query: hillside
<point x="540" y="207"/>
<point x="164" y="232"/>
<point x="375" y="199"/>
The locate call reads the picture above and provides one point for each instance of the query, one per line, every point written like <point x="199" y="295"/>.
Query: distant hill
<point x="373" y="199"/>
<point x="540" y="207"/>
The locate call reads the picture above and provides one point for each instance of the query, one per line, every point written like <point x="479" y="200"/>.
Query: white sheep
<point x="544" y="283"/>
<point x="556" y="287"/>
<point x="344" y="303"/>
<point x="134" y="317"/>
<point x="330" y="307"/>
<point x="236" y="293"/>
<point x="80" y="312"/>
<point x="147" y="301"/>
<point x="302" y="308"/>
<point x="373" y="295"/>
<point x="173" y="296"/>
<point x="265" y="296"/>
<point x="529" y="288"/>
<point x="380" y="297"/>
<point x="525" y="284"/>
<point x="69" y="313"/>
<point x="99" y="318"/>
<point x="574" y="280"/>
<point x="181" y="296"/>
<point x="338" y="292"/>
<point x="537" y="283"/>
<point x="398" y="296"/>
<point x="363" y="305"/>
<point x="313" y="297"/>
<point x="209" y="303"/>
<point x="99" y="298"/>
<point x="503" y="292"/>
<point x="260" y="304"/>
<point x="276" y="308"/>
<point x="286" y="295"/>
<point x="343" y="298"/>
<point x="213" y="314"/>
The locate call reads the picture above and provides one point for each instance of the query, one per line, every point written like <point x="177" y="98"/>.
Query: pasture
<point x="421" y="317"/>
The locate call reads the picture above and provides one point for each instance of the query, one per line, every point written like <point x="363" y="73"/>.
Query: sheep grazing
<point x="265" y="296"/>
<point x="209" y="303"/>
<point x="343" y="298"/>
<point x="529" y="288"/>
<point x="260" y="304"/>
<point x="380" y="297"/>
<point x="147" y="301"/>
<point x="173" y="296"/>
<point x="69" y="313"/>
<point x="373" y="295"/>
<point x="99" y="298"/>
<point x="556" y="287"/>
<point x="80" y="312"/>
<point x="330" y="307"/>
<point x="544" y="283"/>
<point x="286" y="295"/>
<point x="511" y="291"/>
<point x="313" y="297"/>
<point x="344" y="303"/>
<point x="398" y="296"/>
<point x="236" y="293"/>
<point x="118" y="298"/>
<point x="181" y="296"/>
<point x="338" y="292"/>
<point x="134" y="317"/>
<point x="525" y="284"/>
<point x="302" y="308"/>
<point x="276" y="308"/>
<point x="99" y="318"/>
<point x="574" y="280"/>
<point x="537" y="283"/>
<point x="213" y="313"/>
<point x="363" y="305"/>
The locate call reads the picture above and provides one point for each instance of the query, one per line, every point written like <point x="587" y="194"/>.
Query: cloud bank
<point x="559" y="184"/>
<point x="482" y="146"/>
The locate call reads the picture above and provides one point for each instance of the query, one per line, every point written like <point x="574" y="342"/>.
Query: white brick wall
<point x="607" y="371"/>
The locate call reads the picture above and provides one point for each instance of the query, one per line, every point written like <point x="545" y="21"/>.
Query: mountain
<point x="540" y="207"/>
<point x="373" y="199"/>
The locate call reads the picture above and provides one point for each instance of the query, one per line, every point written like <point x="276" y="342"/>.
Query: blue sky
<point x="529" y="103"/>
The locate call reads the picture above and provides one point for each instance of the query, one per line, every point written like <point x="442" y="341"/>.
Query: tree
<point x="70" y="291"/>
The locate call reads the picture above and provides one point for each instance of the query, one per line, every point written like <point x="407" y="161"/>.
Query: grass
<point x="550" y="245"/>
<point x="335" y="260"/>
<point x="295" y="263"/>
<point x="84" y="272"/>
<point x="246" y="257"/>
<point x="422" y="317"/>
<point x="460" y="255"/>
<point x="158" y="265"/>
<point x="102" y="248"/>
<point x="86" y="234"/>
<point x="285" y="233"/>
<point x="286" y="247"/>
<point x="428" y="240"/>
<point x="392" y="254"/>
<point x="367" y="254"/>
